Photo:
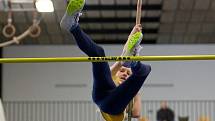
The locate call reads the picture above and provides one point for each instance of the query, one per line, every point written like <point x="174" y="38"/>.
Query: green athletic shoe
<point x="75" y="6"/>
<point x="133" y="44"/>
<point x="132" y="48"/>
<point x="71" y="16"/>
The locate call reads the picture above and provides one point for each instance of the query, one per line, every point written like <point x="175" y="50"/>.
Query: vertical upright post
<point x="2" y="117"/>
<point x="1" y="86"/>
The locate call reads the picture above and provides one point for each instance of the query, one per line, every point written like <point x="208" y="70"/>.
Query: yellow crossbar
<point x="108" y="58"/>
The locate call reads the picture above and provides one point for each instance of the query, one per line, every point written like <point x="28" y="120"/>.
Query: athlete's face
<point x="123" y="74"/>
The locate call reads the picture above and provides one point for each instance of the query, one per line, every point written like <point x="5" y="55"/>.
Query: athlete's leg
<point x="101" y="71"/>
<point x="105" y="93"/>
<point x="119" y="98"/>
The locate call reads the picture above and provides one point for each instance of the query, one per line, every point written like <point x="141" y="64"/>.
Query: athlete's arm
<point x="136" y="111"/>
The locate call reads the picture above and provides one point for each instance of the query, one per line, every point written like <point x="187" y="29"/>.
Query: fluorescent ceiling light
<point x="44" y="6"/>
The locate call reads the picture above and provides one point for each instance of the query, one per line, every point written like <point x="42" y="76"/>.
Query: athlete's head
<point x="123" y="73"/>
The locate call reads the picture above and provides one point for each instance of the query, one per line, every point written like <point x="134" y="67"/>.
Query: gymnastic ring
<point x="35" y="31"/>
<point x="9" y="30"/>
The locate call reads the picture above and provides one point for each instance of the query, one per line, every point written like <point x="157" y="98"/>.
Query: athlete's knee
<point x="100" y="52"/>
<point x="147" y="69"/>
<point x="141" y="69"/>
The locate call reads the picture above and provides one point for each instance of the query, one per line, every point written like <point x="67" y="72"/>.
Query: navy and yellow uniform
<point x="112" y="100"/>
<point x="109" y="117"/>
<point x="118" y="117"/>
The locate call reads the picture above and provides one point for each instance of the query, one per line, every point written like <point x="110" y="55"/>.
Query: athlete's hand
<point x="137" y="28"/>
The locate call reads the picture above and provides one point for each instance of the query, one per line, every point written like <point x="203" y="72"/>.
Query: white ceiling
<point x="179" y="21"/>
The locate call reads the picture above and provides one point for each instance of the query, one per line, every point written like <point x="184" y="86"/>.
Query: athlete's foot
<point x="132" y="46"/>
<point x="71" y="16"/>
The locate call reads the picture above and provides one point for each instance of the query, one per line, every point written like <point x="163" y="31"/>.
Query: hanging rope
<point x="138" y="21"/>
<point x="139" y="12"/>
<point x="34" y="30"/>
<point x="9" y="30"/>
<point x="18" y="39"/>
